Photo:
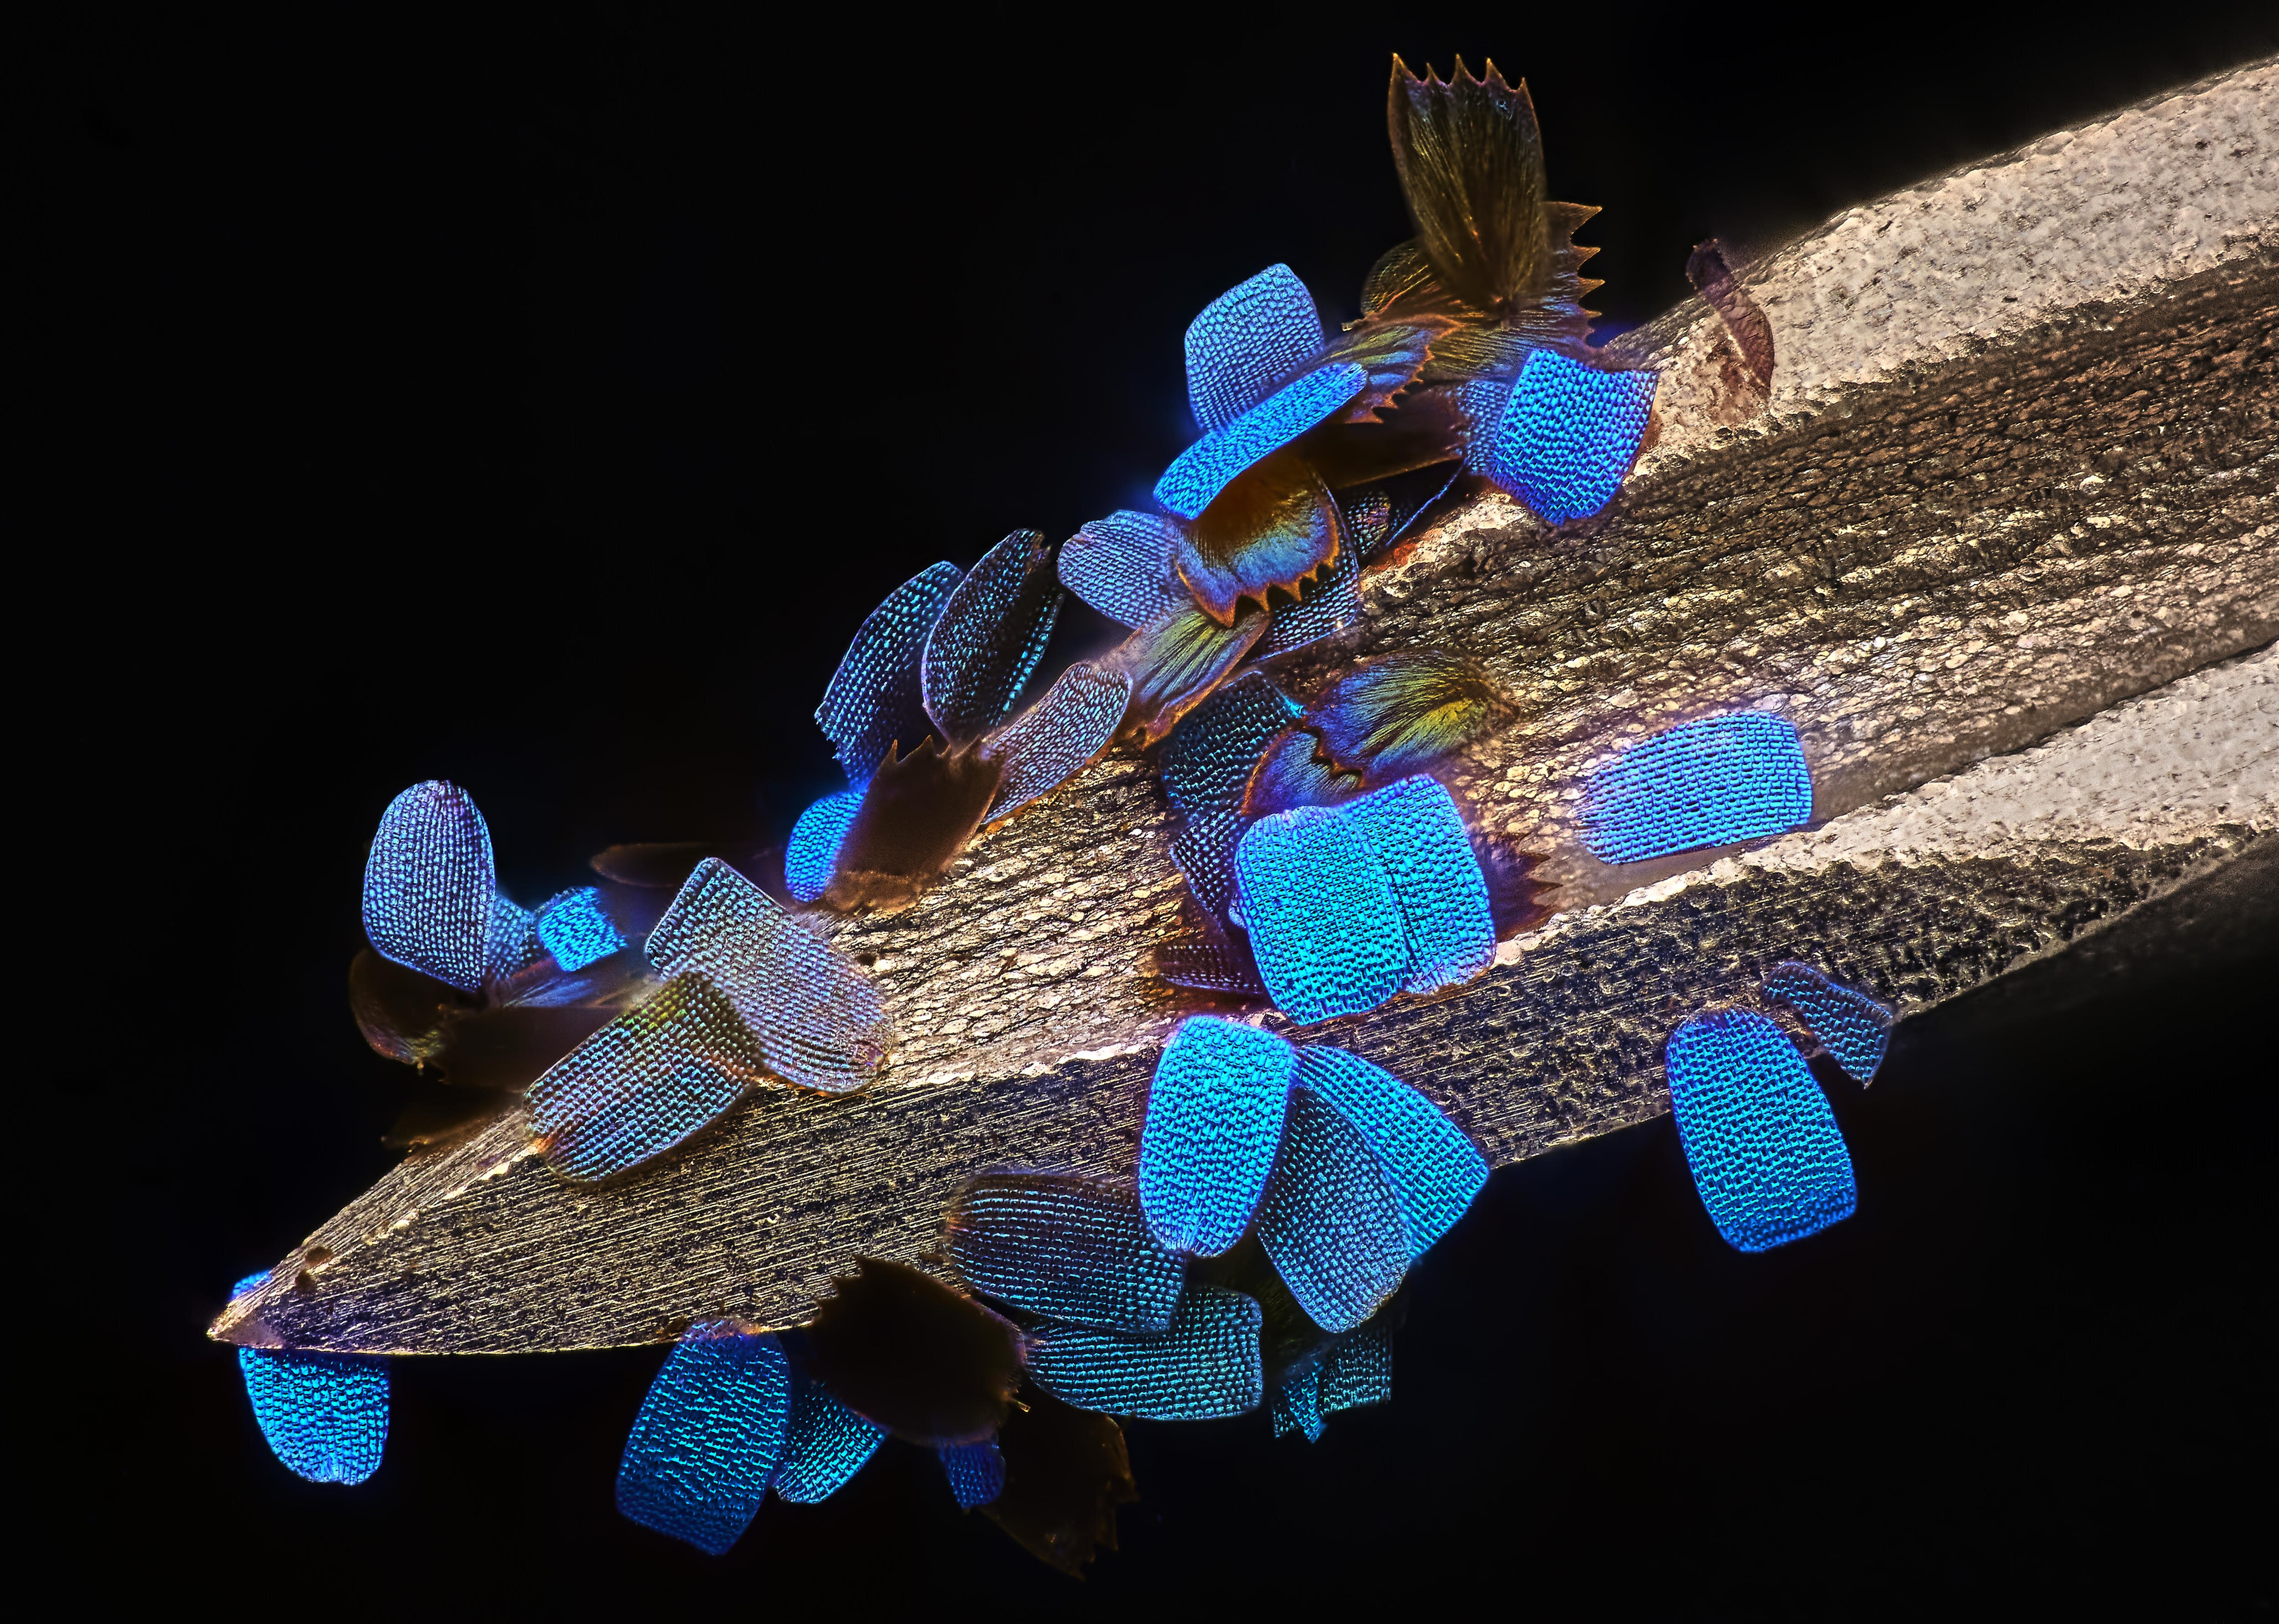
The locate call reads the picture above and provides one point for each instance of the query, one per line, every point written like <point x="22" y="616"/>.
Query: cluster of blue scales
<point x="1332" y="873"/>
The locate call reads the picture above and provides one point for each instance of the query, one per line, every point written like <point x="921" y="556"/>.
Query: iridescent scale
<point x="1247" y="341"/>
<point x="1330" y="1220"/>
<point x="873" y="700"/>
<point x="1215" y="1113"/>
<point x="710" y="1433"/>
<point x="1074" y="1248"/>
<point x="1853" y="1027"/>
<point x="1434" y="1170"/>
<point x="1207" y="1365"/>
<point x="1213" y="462"/>
<point x="1566" y="435"/>
<point x="429" y="884"/>
<point x="1764" y="1149"/>
<point x="992" y="633"/>
<point x="1709" y="782"/>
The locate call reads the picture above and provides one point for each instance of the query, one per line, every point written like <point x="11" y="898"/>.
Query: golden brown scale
<point x="1066" y="1471"/>
<point x="917" y="814"/>
<point x="925" y="1362"/>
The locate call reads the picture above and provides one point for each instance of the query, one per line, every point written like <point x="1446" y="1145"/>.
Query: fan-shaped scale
<point x="429" y="884"/>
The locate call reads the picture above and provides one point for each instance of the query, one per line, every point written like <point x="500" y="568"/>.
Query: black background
<point x="541" y="401"/>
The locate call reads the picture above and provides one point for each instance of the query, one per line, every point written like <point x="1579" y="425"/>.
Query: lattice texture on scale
<point x="1764" y="1149"/>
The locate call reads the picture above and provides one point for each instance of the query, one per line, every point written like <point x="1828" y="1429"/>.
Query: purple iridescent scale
<point x="1245" y="341"/>
<point x="324" y="1415"/>
<point x="1853" y="1027"/>
<point x="1121" y="565"/>
<point x="811" y="857"/>
<point x="708" y="1438"/>
<point x="873" y="700"/>
<point x="992" y="633"/>
<point x="1074" y="1248"/>
<point x="1208" y="466"/>
<point x="431" y="885"/>
<point x="815" y="1019"/>
<point x="1330" y="606"/>
<point x="1709" y="782"/>
<point x="1763" y="1147"/>
<point x="1433" y="1170"/>
<point x="1214" y="1122"/>
<point x="1207" y="1365"/>
<point x="976" y="1472"/>
<point x="1051" y="741"/>
<point x="1565" y="437"/>
<point x="1330" y="1220"/>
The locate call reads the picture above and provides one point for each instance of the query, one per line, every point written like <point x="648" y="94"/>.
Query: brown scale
<point x="924" y="1361"/>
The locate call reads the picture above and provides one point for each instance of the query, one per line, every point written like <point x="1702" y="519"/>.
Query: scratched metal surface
<point x="1971" y="517"/>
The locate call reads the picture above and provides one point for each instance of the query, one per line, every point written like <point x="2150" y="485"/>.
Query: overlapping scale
<point x="1566" y="437"/>
<point x="1393" y="353"/>
<point x="514" y="946"/>
<point x="918" y="812"/>
<point x="1331" y="604"/>
<point x="814" y="1018"/>
<point x="1419" y="837"/>
<point x="1709" y="782"/>
<point x="1853" y="1027"/>
<point x="1296" y="770"/>
<point x="1220" y="966"/>
<point x="1075" y="1248"/>
<point x="1330" y="1220"/>
<point x="1050" y="742"/>
<point x="826" y="1444"/>
<point x="577" y="928"/>
<point x="324" y="1415"/>
<point x="1207" y="762"/>
<point x="1121" y="565"/>
<point x="1247" y="341"/>
<point x="1298" y="1401"/>
<point x="1763" y="1147"/>
<point x="1433" y="1170"/>
<point x="913" y="1354"/>
<point x="1268" y="535"/>
<point x="643" y="1083"/>
<point x="992" y="633"/>
<point x="976" y="1472"/>
<point x="1203" y="846"/>
<point x="811" y="857"/>
<point x="1357" y="1370"/>
<point x="429" y="884"/>
<point x="1403" y="713"/>
<point x="1205" y="765"/>
<point x="1177" y="660"/>
<point x="1207" y="1365"/>
<point x="1197" y="476"/>
<point x="874" y="698"/>
<point x="1324" y="926"/>
<point x="1215" y="1113"/>
<point x="698" y="1461"/>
